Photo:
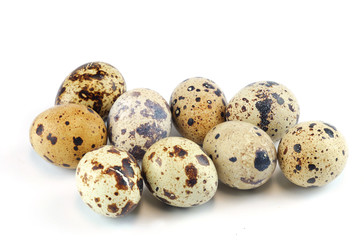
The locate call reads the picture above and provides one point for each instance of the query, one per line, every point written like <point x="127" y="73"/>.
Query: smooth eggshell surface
<point x="268" y="105"/>
<point x="109" y="181"/>
<point x="96" y="85"/>
<point x="197" y="105"/>
<point x="179" y="173"/>
<point x="139" y="118"/>
<point x="312" y="154"/>
<point x="64" y="134"/>
<point x="244" y="155"/>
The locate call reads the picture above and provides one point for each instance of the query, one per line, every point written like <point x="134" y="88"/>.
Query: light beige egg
<point x="139" y="118"/>
<point x="109" y="181"/>
<point x="244" y="155"/>
<point x="64" y="134"/>
<point x="266" y="104"/>
<point x="96" y="85"/>
<point x="312" y="153"/>
<point x="197" y="105"/>
<point x="179" y="173"/>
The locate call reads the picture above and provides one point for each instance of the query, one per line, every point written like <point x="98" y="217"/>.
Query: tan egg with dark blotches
<point x="197" y="105"/>
<point x="96" y="85"/>
<point x="109" y="181"/>
<point x="266" y="104"/>
<point x="244" y="155"/>
<point x="177" y="172"/>
<point x="312" y="153"/>
<point x="64" y="134"/>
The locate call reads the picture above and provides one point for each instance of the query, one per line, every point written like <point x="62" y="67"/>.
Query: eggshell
<point x="197" y="105"/>
<point x="179" y="173"/>
<point x="64" y="133"/>
<point x="96" y="85"/>
<point x="312" y="153"/>
<point x="244" y="155"/>
<point x="109" y="181"/>
<point x="266" y="104"/>
<point x="138" y="119"/>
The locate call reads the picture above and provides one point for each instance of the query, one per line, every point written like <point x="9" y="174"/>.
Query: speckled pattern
<point x="109" y="181"/>
<point x="63" y="134"/>
<point x="179" y="173"/>
<point x="312" y="154"/>
<point x="266" y="104"/>
<point x="138" y="119"/>
<point x="197" y="105"/>
<point x="244" y="155"/>
<point x="95" y="84"/>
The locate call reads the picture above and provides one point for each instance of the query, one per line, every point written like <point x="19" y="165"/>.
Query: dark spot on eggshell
<point x="152" y="132"/>
<point x="67" y="123"/>
<point x="280" y="100"/>
<point x="178" y="152"/>
<point x="77" y="141"/>
<point x="52" y="139"/>
<point x="311" y="167"/>
<point x="261" y="161"/>
<point x="191" y="173"/>
<point x="112" y="208"/>
<point x="202" y="159"/>
<point x="137" y="152"/>
<point x="217" y="136"/>
<point x="291" y="107"/>
<point x="232" y="159"/>
<point x="140" y="185"/>
<point x="330" y="126"/>
<point x="114" y="151"/>
<point x="208" y="85"/>
<point x="311" y="180"/>
<point x="218" y="92"/>
<point x="258" y="133"/>
<point x="198" y="99"/>
<point x="190" y="122"/>
<point x="264" y="108"/>
<point x="169" y="194"/>
<point x="90" y="110"/>
<point x="97" y="165"/>
<point x="181" y="97"/>
<point x="127" y="168"/>
<point x="298" y="167"/>
<point x="154" y="110"/>
<point x="243" y="108"/>
<point x="297" y="148"/>
<point x="251" y="181"/>
<point x="48" y="159"/>
<point x="190" y="88"/>
<point x="177" y="112"/>
<point x="39" y="129"/>
<point x="329" y="132"/>
<point x="312" y="125"/>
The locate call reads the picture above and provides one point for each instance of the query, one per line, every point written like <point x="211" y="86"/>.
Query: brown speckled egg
<point x="139" y="118"/>
<point x="312" y="154"/>
<point x="197" y="105"/>
<point x="109" y="181"/>
<point x="268" y="105"/>
<point x="63" y="134"/>
<point x="96" y="85"/>
<point x="244" y="155"/>
<point x="179" y="173"/>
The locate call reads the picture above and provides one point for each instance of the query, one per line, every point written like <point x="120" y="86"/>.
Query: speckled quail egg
<point x="244" y="155"/>
<point x="266" y="104"/>
<point x="312" y="154"/>
<point x="109" y="181"/>
<point x="96" y="85"/>
<point x="63" y="134"/>
<point x="197" y="105"/>
<point x="179" y="173"/>
<point x="138" y="119"/>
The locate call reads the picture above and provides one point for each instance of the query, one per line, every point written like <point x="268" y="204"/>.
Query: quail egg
<point x="96" y="85"/>
<point x="266" y="104"/>
<point x="244" y="155"/>
<point x="179" y="173"/>
<point x="64" y="134"/>
<point x="197" y="105"/>
<point x="138" y="119"/>
<point x="109" y="181"/>
<point x="312" y="154"/>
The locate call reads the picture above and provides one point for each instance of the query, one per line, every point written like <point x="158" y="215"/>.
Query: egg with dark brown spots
<point x="197" y="105"/>
<point x="312" y="153"/>
<point x="266" y="104"/>
<point x="64" y="134"/>
<point x="96" y="85"/>
<point x="139" y="118"/>
<point x="109" y="181"/>
<point x="178" y="173"/>
<point x="244" y="155"/>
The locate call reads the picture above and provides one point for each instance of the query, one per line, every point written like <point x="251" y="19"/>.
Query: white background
<point x="315" y="48"/>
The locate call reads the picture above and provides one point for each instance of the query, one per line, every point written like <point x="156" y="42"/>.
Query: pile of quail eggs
<point x="228" y="142"/>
